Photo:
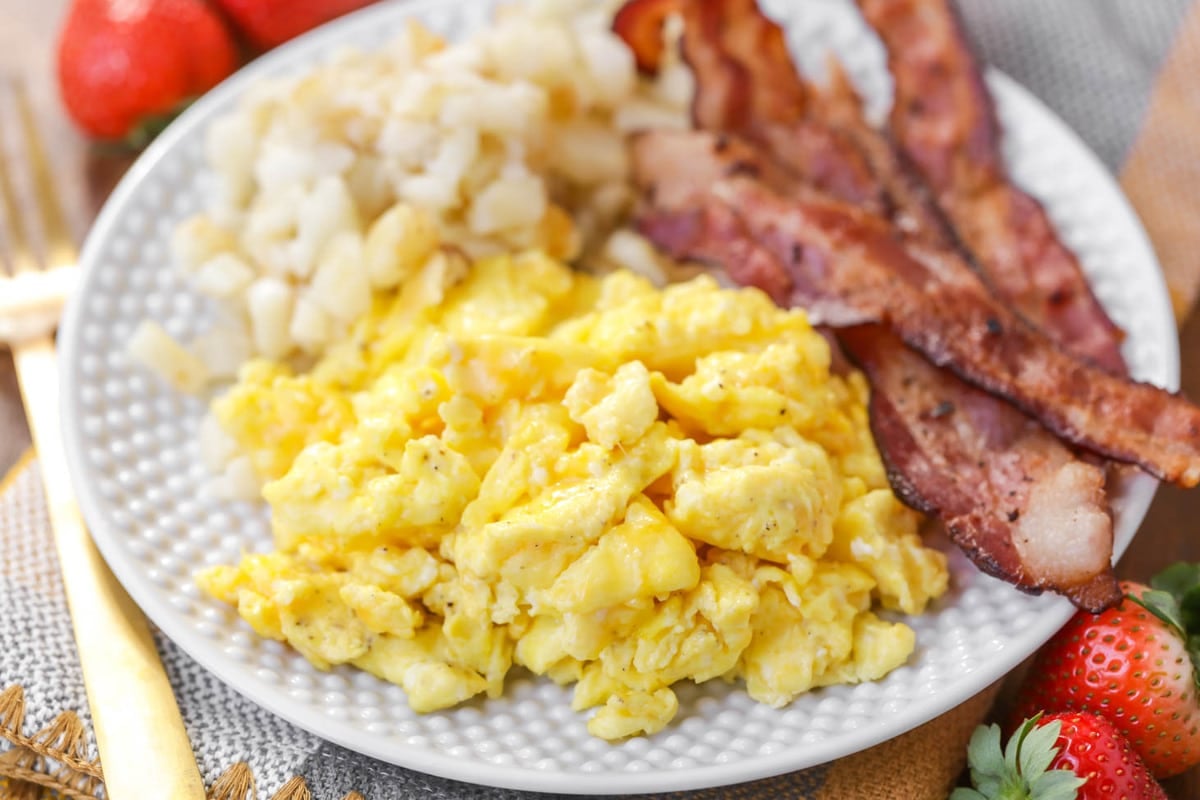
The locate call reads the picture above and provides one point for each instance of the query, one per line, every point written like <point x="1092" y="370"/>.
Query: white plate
<point x="135" y="462"/>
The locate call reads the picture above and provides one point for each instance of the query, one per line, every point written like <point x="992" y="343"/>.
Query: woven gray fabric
<point x="1092" y="61"/>
<point x="226" y="728"/>
<point x="334" y="771"/>
<point x="37" y="649"/>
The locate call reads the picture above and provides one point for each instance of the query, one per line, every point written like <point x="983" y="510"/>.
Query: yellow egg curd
<point x="607" y="483"/>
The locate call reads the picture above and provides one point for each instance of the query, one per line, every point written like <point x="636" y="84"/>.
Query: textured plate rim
<point x="232" y="672"/>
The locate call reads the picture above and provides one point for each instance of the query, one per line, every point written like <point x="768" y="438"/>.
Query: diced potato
<point x="269" y="301"/>
<point x="224" y="275"/>
<point x="397" y="244"/>
<point x="155" y="348"/>
<point x="510" y="201"/>
<point x="340" y="286"/>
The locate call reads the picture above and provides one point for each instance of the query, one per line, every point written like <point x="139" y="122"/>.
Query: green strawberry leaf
<point x="1012" y="753"/>
<point x="1182" y="581"/>
<point x="964" y="793"/>
<point x="1177" y="579"/>
<point x="1163" y="605"/>
<point x="142" y="134"/>
<point x="1038" y="750"/>
<point x="1189" y="605"/>
<point x="986" y="759"/>
<point x="1193" y="649"/>
<point x="1059" y="784"/>
<point x="983" y="751"/>
<point x="151" y="126"/>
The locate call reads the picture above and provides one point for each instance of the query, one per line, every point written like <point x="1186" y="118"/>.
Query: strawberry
<point x="1060" y="757"/>
<point x="268" y="23"/>
<point x="124" y="63"/>
<point x="1135" y="665"/>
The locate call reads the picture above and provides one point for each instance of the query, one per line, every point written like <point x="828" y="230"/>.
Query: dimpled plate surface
<point x="135" y="462"/>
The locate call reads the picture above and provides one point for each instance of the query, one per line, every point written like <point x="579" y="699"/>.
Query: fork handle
<point x="144" y="748"/>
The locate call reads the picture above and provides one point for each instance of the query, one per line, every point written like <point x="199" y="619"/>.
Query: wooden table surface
<point x="27" y="33"/>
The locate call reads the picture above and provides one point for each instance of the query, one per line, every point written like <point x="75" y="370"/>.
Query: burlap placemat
<point x="1123" y="75"/>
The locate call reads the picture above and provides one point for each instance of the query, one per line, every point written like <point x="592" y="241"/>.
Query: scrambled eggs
<point x="613" y="485"/>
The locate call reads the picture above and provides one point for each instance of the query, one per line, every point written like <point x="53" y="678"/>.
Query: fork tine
<point x="21" y="254"/>
<point x="60" y="246"/>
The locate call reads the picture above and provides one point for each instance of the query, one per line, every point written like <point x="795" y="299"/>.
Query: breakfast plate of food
<point x="603" y="398"/>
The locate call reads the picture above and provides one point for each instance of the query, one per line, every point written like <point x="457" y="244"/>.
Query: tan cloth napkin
<point x="1161" y="177"/>
<point x="1145" y="129"/>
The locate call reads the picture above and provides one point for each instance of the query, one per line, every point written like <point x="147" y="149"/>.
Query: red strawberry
<point x="268" y="23"/>
<point x="1060" y="757"/>
<point x="122" y="63"/>
<point x="1133" y="664"/>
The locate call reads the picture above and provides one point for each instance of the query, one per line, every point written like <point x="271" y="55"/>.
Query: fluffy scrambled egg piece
<point x="607" y="483"/>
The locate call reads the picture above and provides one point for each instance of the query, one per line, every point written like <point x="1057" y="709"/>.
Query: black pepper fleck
<point x="942" y="409"/>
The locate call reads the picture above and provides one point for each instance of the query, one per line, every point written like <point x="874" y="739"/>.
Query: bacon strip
<point x="747" y="86"/>
<point x="1016" y="500"/>
<point x="848" y="267"/>
<point x="640" y="23"/>
<point x="750" y="88"/>
<point x="911" y="207"/>
<point x="945" y="122"/>
<point x="974" y="462"/>
<point x="1019" y="504"/>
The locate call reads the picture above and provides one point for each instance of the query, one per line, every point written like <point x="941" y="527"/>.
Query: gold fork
<point x="144" y="749"/>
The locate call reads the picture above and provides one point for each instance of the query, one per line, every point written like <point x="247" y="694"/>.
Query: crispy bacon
<point x="909" y="204"/>
<point x="1011" y="495"/>
<point x="848" y="267"/>
<point x="951" y="450"/>
<point x="945" y="122"/>
<point x="640" y="23"/>
<point x="1018" y="503"/>
<point x="743" y="56"/>
<point x="748" y="87"/>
